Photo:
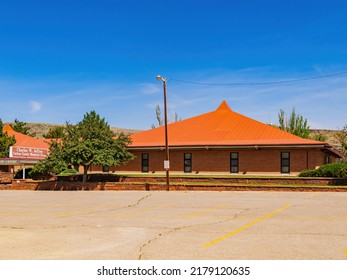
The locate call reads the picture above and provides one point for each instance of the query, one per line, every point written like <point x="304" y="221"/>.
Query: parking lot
<point x="173" y="225"/>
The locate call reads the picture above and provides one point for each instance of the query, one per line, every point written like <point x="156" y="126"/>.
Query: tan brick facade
<point x="251" y="160"/>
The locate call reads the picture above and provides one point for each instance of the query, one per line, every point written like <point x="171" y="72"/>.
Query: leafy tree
<point x="175" y="118"/>
<point x="55" y="133"/>
<point x="160" y="119"/>
<point x="5" y="141"/>
<point x="22" y="127"/>
<point x="319" y="137"/>
<point x="53" y="164"/>
<point x="341" y="137"/>
<point x="91" y="142"/>
<point x="295" y="124"/>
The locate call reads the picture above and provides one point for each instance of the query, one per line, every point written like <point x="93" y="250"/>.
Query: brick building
<point x="223" y="141"/>
<point x="26" y="152"/>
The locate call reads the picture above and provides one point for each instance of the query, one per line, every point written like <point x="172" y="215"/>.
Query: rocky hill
<point x="328" y="133"/>
<point x="41" y="129"/>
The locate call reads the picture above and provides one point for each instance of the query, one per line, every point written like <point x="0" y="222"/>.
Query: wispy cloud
<point x="35" y="107"/>
<point x="150" y="88"/>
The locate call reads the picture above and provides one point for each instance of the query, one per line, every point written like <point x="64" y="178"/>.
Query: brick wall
<point x="6" y="177"/>
<point x="251" y="161"/>
<point x="212" y="184"/>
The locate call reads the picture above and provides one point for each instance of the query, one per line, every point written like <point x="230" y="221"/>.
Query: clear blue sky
<point x="61" y="59"/>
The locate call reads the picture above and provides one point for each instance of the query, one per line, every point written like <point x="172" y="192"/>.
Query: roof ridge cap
<point x="223" y="106"/>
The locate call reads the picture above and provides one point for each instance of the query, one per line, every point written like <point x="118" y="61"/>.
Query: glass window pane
<point x="285" y="169"/>
<point x="187" y="169"/>
<point x="144" y="156"/>
<point x="187" y="156"/>
<point x="234" y="169"/>
<point x="105" y="168"/>
<point x="285" y="155"/>
<point x="234" y="155"/>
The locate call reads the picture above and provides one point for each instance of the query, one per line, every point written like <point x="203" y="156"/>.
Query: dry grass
<point x="329" y="134"/>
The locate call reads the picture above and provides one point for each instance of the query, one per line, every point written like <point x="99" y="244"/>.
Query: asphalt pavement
<point x="160" y="225"/>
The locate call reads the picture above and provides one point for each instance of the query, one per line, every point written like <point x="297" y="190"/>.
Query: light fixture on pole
<point x="167" y="161"/>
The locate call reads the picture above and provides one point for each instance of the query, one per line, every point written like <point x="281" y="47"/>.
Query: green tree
<point x="55" y="133"/>
<point x="158" y="115"/>
<point x="341" y="137"/>
<point x="53" y="164"/>
<point x="91" y="142"/>
<point x="160" y="120"/>
<point x="294" y="123"/>
<point x="22" y="127"/>
<point x="5" y="141"/>
<point x="319" y="137"/>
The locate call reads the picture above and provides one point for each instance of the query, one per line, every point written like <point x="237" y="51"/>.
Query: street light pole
<point x="167" y="160"/>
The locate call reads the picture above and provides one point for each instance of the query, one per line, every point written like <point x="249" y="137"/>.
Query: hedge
<point x="334" y="170"/>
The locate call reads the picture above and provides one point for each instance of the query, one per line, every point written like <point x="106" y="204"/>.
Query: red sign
<point x="25" y="152"/>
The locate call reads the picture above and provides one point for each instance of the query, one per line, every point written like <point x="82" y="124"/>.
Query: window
<point x="326" y="159"/>
<point x="145" y="162"/>
<point x="105" y="168"/>
<point x="234" y="162"/>
<point x="187" y="162"/>
<point x="285" y="162"/>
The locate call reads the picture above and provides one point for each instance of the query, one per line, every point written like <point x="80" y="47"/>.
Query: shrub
<point x="336" y="170"/>
<point x="308" y="173"/>
<point x="330" y="170"/>
<point x="343" y="172"/>
<point x="69" y="171"/>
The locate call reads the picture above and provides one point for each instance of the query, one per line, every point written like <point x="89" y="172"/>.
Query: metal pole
<point x="166" y="140"/>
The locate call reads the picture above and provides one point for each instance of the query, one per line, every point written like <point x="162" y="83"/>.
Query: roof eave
<point x="208" y="147"/>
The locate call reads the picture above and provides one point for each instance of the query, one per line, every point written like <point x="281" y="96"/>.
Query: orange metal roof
<point x="23" y="140"/>
<point x="222" y="127"/>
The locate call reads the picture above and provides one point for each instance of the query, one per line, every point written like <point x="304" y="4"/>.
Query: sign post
<point x="166" y="164"/>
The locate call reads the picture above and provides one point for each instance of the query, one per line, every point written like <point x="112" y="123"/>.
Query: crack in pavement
<point x="156" y="238"/>
<point x="141" y="249"/>
<point x="139" y="201"/>
<point x="120" y="208"/>
<point x="12" y="227"/>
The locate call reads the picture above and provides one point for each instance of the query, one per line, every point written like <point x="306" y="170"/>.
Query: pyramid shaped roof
<point x="23" y="140"/>
<point x="222" y="127"/>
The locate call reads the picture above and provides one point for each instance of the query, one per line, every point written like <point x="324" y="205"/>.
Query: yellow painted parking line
<point x="336" y="219"/>
<point x="245" y="226"/>
<point x="313" y="194"/>
<point x="346" y="251"/>
<point x="7" y="236"/>
<point x="14" y="214"/>
<point x="203" y="211"/>
<point x="130" y="213"/>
